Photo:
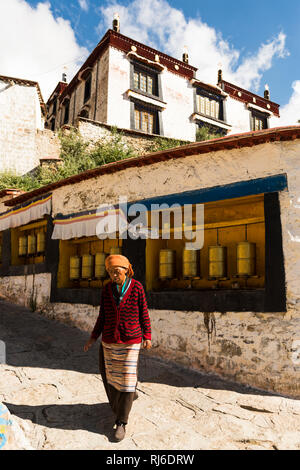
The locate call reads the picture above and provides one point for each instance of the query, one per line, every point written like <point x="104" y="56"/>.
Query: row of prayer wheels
<point x="217" y="262"/>
<point x="88" y="267"/>
<point x="33" y="244"/>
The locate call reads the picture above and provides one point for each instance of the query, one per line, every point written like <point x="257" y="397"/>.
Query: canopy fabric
<point x="85" y="224"/>
<point x="25" y="213"/>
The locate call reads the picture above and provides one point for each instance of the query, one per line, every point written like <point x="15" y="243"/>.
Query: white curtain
<point x="22" y="215"/>
<point x="89" y="224"/>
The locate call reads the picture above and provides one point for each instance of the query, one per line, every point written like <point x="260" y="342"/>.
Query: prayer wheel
<point x="41" y="242"/>
<point x="23" y="246"/>
<point x="87" y="266"/>
<point x="115" y="250"/>
<point x="189" y="263"/>
<point x="74" y="267"/>
<point x="100" y="270"/>
<point x="31" y="247"/>
<point x="217" y="262"/>
<point x="245" y="259"/>
<point x="167" y="264"/>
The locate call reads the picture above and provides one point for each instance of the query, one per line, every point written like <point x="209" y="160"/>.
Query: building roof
<point x="60" y="87"/>
<point x="10" y="192"/>
<point x="123" y="43"/>
<point x="248" y="139"/>
<point x="29" y="83"/>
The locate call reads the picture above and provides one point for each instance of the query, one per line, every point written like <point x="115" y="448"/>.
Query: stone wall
<point x="32" y="290"/>
<point x="47" y="145"/>
<point x="93" y="131"/>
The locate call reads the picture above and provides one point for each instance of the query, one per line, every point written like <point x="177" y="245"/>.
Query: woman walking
<point x="124" y="324"/>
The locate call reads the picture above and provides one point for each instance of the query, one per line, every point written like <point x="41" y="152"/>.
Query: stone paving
<point x="56" y="397"/>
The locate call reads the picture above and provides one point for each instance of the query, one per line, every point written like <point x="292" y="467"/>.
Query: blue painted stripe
<point x="270" y="184"/>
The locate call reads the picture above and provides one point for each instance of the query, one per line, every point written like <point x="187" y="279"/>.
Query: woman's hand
<point x="147" y="344"/>
<point x="89" y="343"/>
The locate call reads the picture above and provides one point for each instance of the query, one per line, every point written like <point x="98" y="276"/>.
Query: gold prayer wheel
<point x="167" y="264"/>
<point x="100" y="270"/>
<point x="41" y="242"/>
<point x="23" y="246"/>
<point x="31" y="247"/>
<point x="189" y="263"/>
<point x="87" y="266"/>
<point x="115" y="250"/>
<point x="246" y="259"/>
<point x="217" y="262"/>
<point x="74" y="267"/>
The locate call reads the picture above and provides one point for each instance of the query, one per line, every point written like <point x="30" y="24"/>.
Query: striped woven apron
<point x="121" y="365"/>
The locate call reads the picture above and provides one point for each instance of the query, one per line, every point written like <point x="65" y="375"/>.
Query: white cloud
<point x="84" y="5"/>
<point x="35" y="45"/>
<point x="156" y="23"/>
<point x="290" y="113"/>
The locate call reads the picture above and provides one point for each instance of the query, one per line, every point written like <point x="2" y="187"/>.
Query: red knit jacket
<point x="127" y="322"/>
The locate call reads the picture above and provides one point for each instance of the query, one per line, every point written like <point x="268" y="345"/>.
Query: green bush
<point x="160" y="144"/>
<point x="204" y="133"/>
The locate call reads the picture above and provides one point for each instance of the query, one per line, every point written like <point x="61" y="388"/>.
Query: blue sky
<point x="254" y="42"/>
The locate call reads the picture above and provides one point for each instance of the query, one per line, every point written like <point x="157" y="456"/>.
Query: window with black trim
<point x="145" y="80"/>
<point x="54" y="106"/>
<point x="146" y="119"/>
<point x="209" y="104"/>
<point x="259" y="121"/>
<point x="66" y="111"/>
<point x="87" y="88"/>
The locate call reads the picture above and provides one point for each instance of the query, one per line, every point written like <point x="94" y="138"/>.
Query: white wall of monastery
<point x="19" y="120"/>
<point x="118" y="110"/>
<point x="178" y="93"/>
<point x="239" y="116"/>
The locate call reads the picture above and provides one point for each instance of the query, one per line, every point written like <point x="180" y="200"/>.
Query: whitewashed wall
<point x="178" y="93"/>
<point x="118" y="113"/>
<point x="18" y="125"/>
<point x="238" y="116"/>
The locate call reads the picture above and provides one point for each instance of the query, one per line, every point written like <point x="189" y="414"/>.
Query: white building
<point x="22" y="114"/>
<point x="132" y="86"/>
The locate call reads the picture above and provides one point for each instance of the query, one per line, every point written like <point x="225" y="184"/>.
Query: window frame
<point x="260" y="115"/>
<point x="142" y="107"/>
<point x="66" y="111"/>
<point x="201" y="92"/>
<point x="87" y="87"/>
<point x="155" y="74"/>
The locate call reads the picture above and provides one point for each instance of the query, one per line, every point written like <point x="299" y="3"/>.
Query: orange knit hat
<point x="119" y="260"/>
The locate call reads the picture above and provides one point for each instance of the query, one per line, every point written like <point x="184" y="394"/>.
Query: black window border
<point x="147" y="107"/>
<point x="87" y="96"/>
<point x="259" y="114"/>
<point x="134" y="64"/>
<point x="202" y="92"/>
<point x="66" y="111"/>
